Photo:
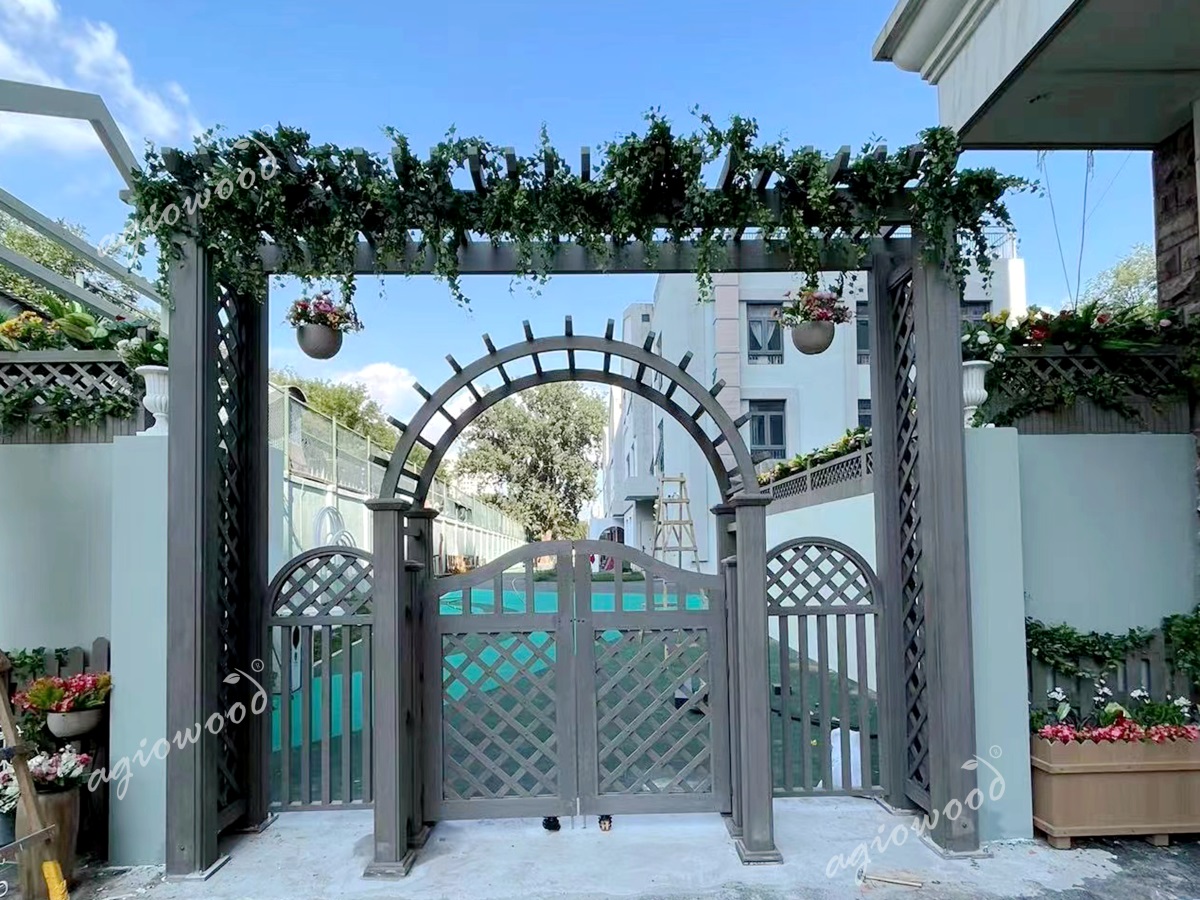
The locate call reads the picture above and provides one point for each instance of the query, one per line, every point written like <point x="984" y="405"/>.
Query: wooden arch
<point x="413" y="485"/>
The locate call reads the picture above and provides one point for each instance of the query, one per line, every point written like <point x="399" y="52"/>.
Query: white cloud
<point x="393" y="388"/>
<point x="83" y="55"/>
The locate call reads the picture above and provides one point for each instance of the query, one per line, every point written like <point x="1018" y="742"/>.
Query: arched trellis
<point x="730" y="480"/>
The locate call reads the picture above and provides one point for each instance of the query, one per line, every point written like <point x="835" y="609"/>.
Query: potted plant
<point x="148" y="358"/>
<point x="811" y="315"/>
<point x="9" y="794"/>
<point x="320" y="323"/>
<point x="56" y="780"/>
<point x="983" y="344"/>
<point x="72" y="706"/>
<point x="1125" y="769"/>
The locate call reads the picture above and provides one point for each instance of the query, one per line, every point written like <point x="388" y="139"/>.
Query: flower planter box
<point x="1106" y="789"/>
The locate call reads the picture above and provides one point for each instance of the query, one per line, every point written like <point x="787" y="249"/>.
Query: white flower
<point x="1164" y="323"/>
<point x="1140" y="694"/>
<point x="1058" y="695"/>
<point x="983" y="338"/>
<point x="965" y="338"/>
<point x="1182" y="703"/>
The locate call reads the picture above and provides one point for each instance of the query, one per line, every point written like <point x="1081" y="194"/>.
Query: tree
<point x="1128" y="284"/>
<point x="535" y="456"/>
<point x="347" y="402"/>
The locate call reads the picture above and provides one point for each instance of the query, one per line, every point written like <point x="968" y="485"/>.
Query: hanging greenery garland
<point x="316" y="201"/>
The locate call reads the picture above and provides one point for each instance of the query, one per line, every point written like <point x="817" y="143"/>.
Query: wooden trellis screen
<point x="82" y="373"/>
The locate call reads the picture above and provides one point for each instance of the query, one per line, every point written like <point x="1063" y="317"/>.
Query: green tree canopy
<point x="535" y="456"/>
<point x="1130" y="283"/>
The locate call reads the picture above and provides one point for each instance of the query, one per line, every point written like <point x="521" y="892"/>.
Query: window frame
<point x="766" y="410"/>
<point x="763" y="312"/>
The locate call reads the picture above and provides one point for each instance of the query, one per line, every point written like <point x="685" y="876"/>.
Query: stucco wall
<point x="55" y="544"/>
<point x="1109" y="528"/>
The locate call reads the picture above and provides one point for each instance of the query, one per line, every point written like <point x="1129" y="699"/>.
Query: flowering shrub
<point x="981" y="342"/>
<point x="29" y="331"/>
<point x="322" y="310"/>
<point x="813" y="306"/>
<point x="1141" y="719"/>
<point x="60" y="771"/>
<point x="136" y="351"/>
<point x="54" y="694"/>
<point x="9" y="792"/>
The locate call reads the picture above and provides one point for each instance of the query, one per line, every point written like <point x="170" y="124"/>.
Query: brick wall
<point x="1177" y="222"/>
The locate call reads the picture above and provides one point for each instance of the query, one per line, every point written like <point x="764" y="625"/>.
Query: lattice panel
<point x="851" y="467"/>
<point x="499" y="716"/>
<point x="95" y="378"/>
<point x="335" y="582"/>
<point x="646" y="744"/>
<point x="814" y="575"/>
<point x="231" y="411"/>
<point x="912" y="587"/>
<point x="1164" y="369"/>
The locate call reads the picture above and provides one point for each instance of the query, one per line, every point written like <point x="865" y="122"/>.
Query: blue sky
<point x="588" y="71"/>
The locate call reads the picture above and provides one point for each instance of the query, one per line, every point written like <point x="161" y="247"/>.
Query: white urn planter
<point x="812" y="338"/>
<point x="974" y="391"/>
<point x="318" y="341"/>
<point x="73" y="724"/>
<point x="155" y="400"/>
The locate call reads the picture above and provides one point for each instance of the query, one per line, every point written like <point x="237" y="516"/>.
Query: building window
<point x="975" y="310"/>
<point x="764" y="337"/>
<point x="658" y="453"/>
<point x="862" y="324"/>
<point x="864" y="413"/>
<point x="645" y="317"/>
<point x="766" y="428"/>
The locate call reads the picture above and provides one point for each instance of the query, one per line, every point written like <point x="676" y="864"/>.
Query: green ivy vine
<point x="313" y="201"/>
<point x="1182" y="634"/>
<point x="55" y="409"/>
<point x="1062" y="647"/>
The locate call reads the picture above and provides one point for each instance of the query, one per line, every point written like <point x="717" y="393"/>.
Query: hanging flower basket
<point x="320" y="323"/>
<point x="812" y="316"/>
<point x="73" y="724"/>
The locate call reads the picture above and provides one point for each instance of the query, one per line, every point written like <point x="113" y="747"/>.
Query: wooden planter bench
<point x="1108" y="789"/>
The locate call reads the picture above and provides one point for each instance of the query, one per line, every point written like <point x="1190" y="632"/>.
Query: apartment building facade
<point x="795" y="402"/>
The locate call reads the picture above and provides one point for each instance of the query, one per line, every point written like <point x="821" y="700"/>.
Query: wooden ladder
<point x="17" y="753"/>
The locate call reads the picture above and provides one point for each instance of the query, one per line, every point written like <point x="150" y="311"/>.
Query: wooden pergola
<point x="218" y="527"/>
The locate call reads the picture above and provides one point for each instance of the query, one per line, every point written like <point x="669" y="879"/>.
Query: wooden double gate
<point x="566" y="691"/>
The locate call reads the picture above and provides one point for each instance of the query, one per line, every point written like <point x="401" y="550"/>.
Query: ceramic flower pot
<point x="812" y="337"/>
<point x="318" y="341"/>
<point x="60" y="809"/>
<point x="73" y="724"/>
<point x="155" y="399"/>
<point x="974" y="392"/>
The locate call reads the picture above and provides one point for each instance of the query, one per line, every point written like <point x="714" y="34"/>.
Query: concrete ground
<point x="321" y="855"/>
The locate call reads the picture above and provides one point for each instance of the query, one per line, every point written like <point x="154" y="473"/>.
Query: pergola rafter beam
<point x="475" y="164"/>
<point x="585" y="164"/>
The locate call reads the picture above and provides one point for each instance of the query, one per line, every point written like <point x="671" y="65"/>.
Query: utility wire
<point x="1089" y="173"/>
<point x="1041" y="161"/>
<point x="1128" y="156"/>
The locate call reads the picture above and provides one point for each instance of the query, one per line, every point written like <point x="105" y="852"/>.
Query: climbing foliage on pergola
<point x="304" y="209"/>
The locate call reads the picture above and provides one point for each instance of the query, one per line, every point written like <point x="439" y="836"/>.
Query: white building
<point x="796" y="403"/>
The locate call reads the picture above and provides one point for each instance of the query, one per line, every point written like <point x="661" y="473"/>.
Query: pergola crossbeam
<point x="475" y="164"/>
<point x="510" y="164"/>
<point x="585" y="164"/>
<point x="836" y="168"/>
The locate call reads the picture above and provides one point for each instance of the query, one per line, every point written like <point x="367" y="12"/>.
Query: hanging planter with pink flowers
<point x="320" y="323"/>
<point x="811" y="316"/>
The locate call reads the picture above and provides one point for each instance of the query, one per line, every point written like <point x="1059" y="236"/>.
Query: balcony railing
<point x="838" y="479"/>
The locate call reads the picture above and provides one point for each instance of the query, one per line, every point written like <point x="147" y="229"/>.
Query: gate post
<point x="392" y="584"/>
<point x="726" y="549"/>
<point x="757" y="843"/>
<point x="420" y="556"/>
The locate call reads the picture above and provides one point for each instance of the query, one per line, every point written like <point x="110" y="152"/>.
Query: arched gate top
<point x="413" y="484"/>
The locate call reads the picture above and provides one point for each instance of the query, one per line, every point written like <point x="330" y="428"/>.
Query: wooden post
<point x="725" y="550"/>
<point x="937" y="318"/>
<point x="757" y="843"/>
<point x="192" y="680"/>
<point x="420" y="555"/>
<point x="392" y="855"/>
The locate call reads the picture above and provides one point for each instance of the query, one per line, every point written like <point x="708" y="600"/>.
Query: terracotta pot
<point x="318" y="341"/>
<point x="60" y="809"/>
<point x="1119" y="788"/>
<point x="73" y="724"/>
<point x="156" y="397"/>
<point x="812" y="337"/>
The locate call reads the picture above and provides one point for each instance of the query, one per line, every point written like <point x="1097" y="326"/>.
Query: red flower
<point x="1038" y="333"/>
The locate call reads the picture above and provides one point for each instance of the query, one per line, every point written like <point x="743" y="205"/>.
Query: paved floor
<point x="321" y="856"/>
